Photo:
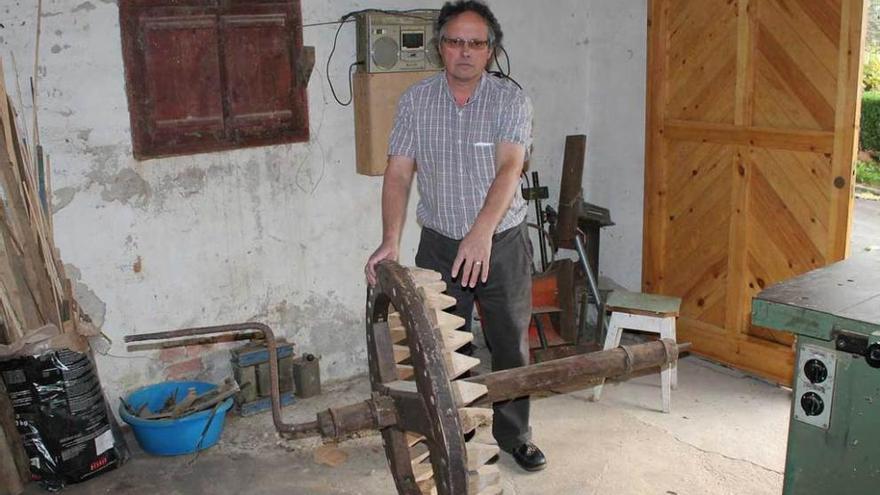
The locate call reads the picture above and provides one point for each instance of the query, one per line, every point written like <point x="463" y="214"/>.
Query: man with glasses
<point x="467" y="133"/>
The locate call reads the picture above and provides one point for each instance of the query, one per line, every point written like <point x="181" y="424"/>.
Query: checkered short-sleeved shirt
<point x="454" y="148"/>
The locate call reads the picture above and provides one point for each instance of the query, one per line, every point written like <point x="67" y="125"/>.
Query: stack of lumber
<point x="34" y="290"/>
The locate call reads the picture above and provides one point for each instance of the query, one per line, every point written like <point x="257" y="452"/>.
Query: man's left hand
<point x="473" y="257"/>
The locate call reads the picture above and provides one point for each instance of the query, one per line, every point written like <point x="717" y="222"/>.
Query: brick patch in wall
<point x="185" y="369"/>
<point x="172" y="354"/>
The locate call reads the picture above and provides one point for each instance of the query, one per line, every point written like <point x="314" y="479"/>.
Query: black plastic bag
<point x="62" y="417"/>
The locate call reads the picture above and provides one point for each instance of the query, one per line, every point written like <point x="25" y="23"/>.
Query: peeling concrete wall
<point x="277" y="234"/>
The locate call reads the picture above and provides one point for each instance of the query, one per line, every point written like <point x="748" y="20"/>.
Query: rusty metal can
<point x="307" y="376"/>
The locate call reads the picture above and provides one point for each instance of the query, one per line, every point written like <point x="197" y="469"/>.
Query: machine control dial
<point x="872" y="355"/>
<point x="812" y="404"/>
<point x="816" y="371"/>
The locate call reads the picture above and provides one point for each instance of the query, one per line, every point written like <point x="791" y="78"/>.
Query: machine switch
<point x="873" y="355"/>
<point x="812" y="404"/>
<point x="816" y="371"/>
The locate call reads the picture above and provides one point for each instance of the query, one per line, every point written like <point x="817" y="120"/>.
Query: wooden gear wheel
<point x="412" y="343"/>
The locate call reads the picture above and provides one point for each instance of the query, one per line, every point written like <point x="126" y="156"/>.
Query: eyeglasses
<point x="460" y="43"/>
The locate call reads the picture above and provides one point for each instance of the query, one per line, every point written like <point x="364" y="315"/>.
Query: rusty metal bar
<point x="518" y="382"/>
<point x="289" y="430"/>
<point x="217" y="339"/>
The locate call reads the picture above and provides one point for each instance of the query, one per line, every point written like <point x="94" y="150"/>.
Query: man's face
<point x="466" y="63"/>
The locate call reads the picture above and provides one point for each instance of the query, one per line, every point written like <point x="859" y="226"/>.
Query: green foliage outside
<point x="868" y="173"/>
<point x="869" y="138"/>
<point x="871" y="68"/>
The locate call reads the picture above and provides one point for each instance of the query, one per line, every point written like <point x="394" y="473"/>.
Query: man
<point x="468" y="132"/>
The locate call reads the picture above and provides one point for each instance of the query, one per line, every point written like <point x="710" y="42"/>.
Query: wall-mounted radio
<point x="404" y="42"/>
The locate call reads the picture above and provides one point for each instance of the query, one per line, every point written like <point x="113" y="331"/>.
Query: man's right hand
<point x="387" y="251"/>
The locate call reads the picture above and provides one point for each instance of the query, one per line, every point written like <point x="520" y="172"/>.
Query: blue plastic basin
<point x="182" y="435"/>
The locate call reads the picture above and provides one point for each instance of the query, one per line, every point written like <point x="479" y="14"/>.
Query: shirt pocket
<point x="483" y="153"/>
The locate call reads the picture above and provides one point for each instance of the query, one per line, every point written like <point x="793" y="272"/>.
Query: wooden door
<point x="752" y="124"/>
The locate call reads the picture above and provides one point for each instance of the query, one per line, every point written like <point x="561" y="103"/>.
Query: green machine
<point x="834" y="432"/>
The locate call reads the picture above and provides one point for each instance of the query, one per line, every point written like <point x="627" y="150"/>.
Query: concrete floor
<point x="866" y="224"/>
<point x="726" y="435"/>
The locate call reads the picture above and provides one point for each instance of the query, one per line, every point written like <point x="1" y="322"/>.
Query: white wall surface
<point x="614" y="174"/>
<point x="279" y="234"/>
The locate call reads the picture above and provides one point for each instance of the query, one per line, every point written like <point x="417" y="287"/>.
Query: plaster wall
<point x="277" y="234"/>
<point x="615" y="95"/>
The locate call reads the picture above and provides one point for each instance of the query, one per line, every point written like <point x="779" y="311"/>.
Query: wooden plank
<point x="737" y="257"/>
<point x="25" y="218"/>
<point x="655" y="171"/>
<point x="764" y="137"/>
<point x="846" y="124"/>
<point x="745" y="62"/>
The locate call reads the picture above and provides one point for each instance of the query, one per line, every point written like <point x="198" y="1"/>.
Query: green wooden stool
<point x="647" y="313"/>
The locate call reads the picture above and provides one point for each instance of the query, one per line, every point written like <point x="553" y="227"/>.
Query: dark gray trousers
<point x="505" y="306"/>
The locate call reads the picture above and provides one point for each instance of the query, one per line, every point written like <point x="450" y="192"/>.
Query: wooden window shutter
<point x="208" y="75"/>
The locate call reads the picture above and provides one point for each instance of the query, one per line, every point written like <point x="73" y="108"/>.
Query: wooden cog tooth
<point x="478" y="454"/>
<point x="483" y="478"/>
<point x="413" y="438"/>
<point x="465" y="393"/>
<point x="394" y="320"/>
<point x="423" y="471"/>
<point x="423" y="276"/>
<point x="405" y="371"/>
<point x="427" y="487"/>
<point x="419" y="452"/>
<point x="454" y="339"/>
<point x="447" y="321"/>
<point x="474" y="417"/>
<point x="437" y="300"/>
<point x="401" y="353"/>
<point x="436" y="286"/>
<point x="457" y="364"/>
<point x="398" y="334"/>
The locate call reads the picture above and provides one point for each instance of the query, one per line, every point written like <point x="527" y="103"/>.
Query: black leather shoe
<point x="529" y="457"/>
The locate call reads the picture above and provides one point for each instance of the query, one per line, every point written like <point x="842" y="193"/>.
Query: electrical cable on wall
<point x="346" y="18"/>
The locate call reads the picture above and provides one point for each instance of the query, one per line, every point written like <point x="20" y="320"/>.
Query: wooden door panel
<point x="703" y="64"/>
<point x="752" y="111"/>
<point x="792" y="73"/>
<point x="698" y="199"/>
